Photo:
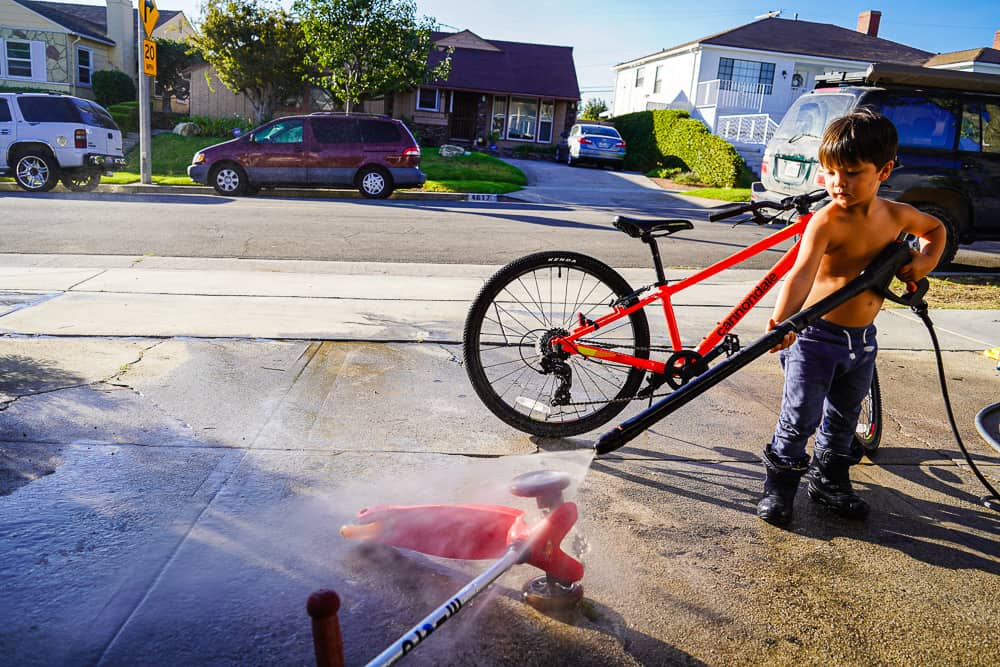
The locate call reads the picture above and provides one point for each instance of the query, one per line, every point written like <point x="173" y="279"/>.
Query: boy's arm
<point x="932" y="235"/>
<point x="799" y="281"/>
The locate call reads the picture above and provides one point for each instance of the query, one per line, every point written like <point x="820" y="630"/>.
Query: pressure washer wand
<point x="876" y="276"/>
<point x="436" y="618"/>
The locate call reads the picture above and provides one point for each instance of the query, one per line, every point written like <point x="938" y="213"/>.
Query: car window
<point x="922" y="122"/>
<point x="285" y="131"/>
<point x="379" y="132"/>
<point x="4" y="112"/>
<point x="980" y="131"/>
<point x="95" y="115"/>
<point x="336" y="130"/>
<point x="601" y="130"/>
<point x="48" y="109"/>
<point x="809" y="115"/>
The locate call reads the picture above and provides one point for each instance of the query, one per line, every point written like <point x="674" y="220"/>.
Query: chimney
<point x="996" y="40"/>
<point x="121" y="29"/>
<point x="868" y="22"/>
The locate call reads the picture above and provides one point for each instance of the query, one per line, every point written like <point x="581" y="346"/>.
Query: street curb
<point x="312" y="193"/>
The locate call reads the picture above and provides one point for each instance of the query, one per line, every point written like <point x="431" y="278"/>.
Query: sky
<point x="604" y="33"/>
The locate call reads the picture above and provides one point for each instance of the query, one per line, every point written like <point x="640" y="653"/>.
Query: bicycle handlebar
<point x="802" y="203"/>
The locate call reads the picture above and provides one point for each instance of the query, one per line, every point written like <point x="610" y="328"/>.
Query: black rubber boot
<point x="781" y="481"/>
<point x="830" y="485"/>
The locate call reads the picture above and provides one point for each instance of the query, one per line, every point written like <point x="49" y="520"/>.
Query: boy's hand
<point x="786" y="342"/>
<point x="918" y="267"/>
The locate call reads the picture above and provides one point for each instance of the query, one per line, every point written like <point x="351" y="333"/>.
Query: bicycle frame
<point x="665" y="292"/>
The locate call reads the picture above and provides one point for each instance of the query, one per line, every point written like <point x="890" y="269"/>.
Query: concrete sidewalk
<point x="180" y="440"/>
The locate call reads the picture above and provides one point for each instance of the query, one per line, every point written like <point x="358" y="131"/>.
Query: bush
<point x="221" y="127"/>
<point x="672" y="139"/>
<point x="126" y="115"/>
<point x="529" y="151"/>
<point x="166" y="120"/>
<point x="111" y="87"/>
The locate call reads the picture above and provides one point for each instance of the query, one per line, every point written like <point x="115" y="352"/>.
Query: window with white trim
<point x="640" y="77"/>
<point x="428" y="99"/>
<point x="499" y="114"/>
<point x="17" y="59"/>
<point x="746" y="75"/>
<point x="545" y="122"/>
<point x="658" y="79"/>
<point x="523" y="118"/>
<point x="84" y="65"/>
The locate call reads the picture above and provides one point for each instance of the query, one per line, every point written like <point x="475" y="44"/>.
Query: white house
<point x="740" y="82"/>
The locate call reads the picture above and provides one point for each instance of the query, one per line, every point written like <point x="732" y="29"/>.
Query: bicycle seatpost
<point x="876" y="276"/>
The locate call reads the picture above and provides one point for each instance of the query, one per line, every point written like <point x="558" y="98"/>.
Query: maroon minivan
<point x="375" y="154"/>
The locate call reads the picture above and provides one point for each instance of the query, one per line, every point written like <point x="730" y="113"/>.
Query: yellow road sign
<point x="149" y="57"/>
<point x="149" y="14"/>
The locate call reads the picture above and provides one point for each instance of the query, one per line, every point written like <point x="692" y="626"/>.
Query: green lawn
<point x="476" y="172"/>
<point x="724" y="194"/>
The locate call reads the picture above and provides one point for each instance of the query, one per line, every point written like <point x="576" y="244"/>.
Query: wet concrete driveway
<point x="175" y="501"/>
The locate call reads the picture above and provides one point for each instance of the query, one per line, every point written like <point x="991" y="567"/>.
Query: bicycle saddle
<point x="637" y="228"/>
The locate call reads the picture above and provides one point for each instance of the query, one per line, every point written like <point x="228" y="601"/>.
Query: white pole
<point x="145" y="168"/>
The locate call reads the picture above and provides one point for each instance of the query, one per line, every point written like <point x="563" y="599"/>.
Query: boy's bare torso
<point x="855" y="238"/>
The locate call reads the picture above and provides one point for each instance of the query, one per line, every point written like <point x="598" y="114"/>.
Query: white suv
<point x="48" y="137"/>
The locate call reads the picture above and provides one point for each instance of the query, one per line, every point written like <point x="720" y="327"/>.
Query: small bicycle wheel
<point x="506" y="338"/>
<point x="868" y="432"/>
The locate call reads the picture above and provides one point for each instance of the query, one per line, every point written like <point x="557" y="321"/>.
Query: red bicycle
<point x="557" y="343"/>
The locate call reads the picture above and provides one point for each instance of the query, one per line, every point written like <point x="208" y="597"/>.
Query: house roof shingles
<point x="87" y="20"/>
<point x="812" y="39"/>
<point x="983" y="55"/>
<point x="537" y="70"/>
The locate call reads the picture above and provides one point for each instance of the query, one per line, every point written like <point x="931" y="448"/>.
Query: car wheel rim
<point x="373" y="183"/>
<point x="227" y="180"/>
<point x="32" y="172"/>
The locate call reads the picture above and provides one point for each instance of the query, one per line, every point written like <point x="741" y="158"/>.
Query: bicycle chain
<point x="626" y="399"/>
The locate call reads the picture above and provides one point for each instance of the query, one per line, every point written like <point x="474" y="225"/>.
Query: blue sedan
<point x="598" y="144"/>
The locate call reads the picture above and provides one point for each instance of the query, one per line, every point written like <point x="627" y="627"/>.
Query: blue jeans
<point x="828" y="372"/>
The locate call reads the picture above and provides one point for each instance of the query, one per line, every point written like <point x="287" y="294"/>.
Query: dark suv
<point x="375" y="154"/>
<point x="949" y="143"/>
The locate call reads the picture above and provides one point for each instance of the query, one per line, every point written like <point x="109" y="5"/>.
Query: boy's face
<point x="853" y="184"/>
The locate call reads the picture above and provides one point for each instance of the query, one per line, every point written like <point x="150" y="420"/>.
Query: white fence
<point x="746" y="128"/>
<point x="725" y="94"/>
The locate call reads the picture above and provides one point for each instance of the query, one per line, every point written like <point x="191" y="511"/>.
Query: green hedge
<point x="126" y="115"/>
<point x="672" y="139"/>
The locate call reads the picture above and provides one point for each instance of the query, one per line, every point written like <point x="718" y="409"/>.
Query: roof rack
<point x="350" y="113"/>
<point x="887" y="74"/>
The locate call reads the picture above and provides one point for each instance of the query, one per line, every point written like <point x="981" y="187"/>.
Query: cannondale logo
<point x="762" y="288"/>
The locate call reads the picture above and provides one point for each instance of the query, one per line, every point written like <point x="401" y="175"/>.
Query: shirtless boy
<point x="828" y="367"/>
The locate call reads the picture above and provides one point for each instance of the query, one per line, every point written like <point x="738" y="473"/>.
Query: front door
<point x="339" y="150"/>
<point x="6" y="130"/>
<point x="275" y="153"/>
<point x="462" y="125"/>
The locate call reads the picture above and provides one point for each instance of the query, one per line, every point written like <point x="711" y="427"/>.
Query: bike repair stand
<point x="477" y="532"/>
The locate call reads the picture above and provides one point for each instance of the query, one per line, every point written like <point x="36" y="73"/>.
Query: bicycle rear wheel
<point x="505" y="341"/>
<point x="868" y="432"/>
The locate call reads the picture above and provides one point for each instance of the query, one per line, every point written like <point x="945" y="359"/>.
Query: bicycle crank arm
<point x="876" y="276"/>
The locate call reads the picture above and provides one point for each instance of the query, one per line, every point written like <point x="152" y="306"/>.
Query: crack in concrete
<point x="451" y="355"/>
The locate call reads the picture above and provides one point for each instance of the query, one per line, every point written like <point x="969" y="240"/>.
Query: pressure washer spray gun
<point x="481" y="532"/>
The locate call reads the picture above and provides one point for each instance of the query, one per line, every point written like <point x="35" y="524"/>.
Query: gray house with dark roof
<point x="751" y="74"/>
<point x="520" y="93"/>
<point x="58" y="45"/>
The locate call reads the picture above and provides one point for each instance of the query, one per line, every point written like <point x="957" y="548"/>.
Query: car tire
<point x="570" y="160"/>
<point x="36" y="171"/>
<point x="228" y="179"/>
<point x="374" y="183"/>
<point x="80" y="180"/>
<point x="951" y="244"/>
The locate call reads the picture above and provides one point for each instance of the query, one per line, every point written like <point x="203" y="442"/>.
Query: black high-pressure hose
<point x="992" y="502"/>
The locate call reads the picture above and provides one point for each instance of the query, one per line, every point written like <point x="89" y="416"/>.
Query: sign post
<point x="148" y="15"/>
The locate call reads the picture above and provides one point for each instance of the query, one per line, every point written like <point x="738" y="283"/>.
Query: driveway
<point x="624" y="192"/>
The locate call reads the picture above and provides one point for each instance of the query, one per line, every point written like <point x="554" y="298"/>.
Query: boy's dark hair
<point x="864" y="135"/>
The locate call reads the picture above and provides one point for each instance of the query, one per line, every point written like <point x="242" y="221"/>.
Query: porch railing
<point x="725" y="94"/>
<point x="746" y="128"/>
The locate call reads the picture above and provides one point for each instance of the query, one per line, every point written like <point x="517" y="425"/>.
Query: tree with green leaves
<point x="256" y="48"/>
<point x="172" y="58"/>
<point x="593" y="109"/>
<point x="362" y="49"/>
